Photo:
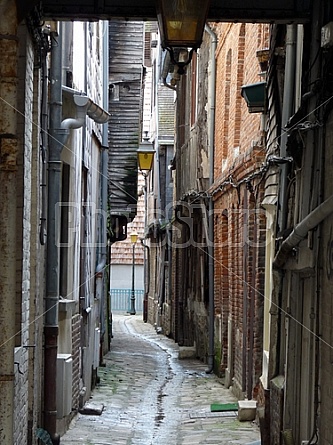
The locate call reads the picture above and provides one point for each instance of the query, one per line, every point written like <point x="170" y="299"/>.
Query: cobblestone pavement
<point x="151" y="397"/>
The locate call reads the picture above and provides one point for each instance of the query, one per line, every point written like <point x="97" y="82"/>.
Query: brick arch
<point x="263" y="36"/>
<point x="227" y="91"/>
<point x="221" y="273"/>
<point x="260" y="37"/>
<point x="239" y="83"/>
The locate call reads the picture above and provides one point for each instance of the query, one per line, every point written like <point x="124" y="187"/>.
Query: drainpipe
<point x="102" y="259"/>
<point x="59" y="133"/>
<point x="301" y="230"/>
<point x="288" y="103"/>
<point x="211" y="129"/>
<point x="8" y="181"/>
<point x="52" y="266"/>
<point x="288" y="98"/>
<point x="165" y="71"/>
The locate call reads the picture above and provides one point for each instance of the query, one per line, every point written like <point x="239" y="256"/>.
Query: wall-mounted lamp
<point x="255" y="97"/>
<point x="145" y="154"/>
<point x="181" y="24"/>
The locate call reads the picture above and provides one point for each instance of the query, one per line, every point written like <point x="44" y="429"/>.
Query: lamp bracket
<point x="144" y="173"/>
<point x="180" y="65"/>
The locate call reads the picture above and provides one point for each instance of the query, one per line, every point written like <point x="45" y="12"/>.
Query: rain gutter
<point x="288" y="95"/>
<point x="287" y="111"/>
<point x="102" y="257"/>
<point x="52" y="280"/>
<point x="211" y="130"/>
<point x="92" y="110"/>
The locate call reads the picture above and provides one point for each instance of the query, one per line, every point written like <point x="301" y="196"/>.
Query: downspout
<point x="165" y="72"/>
<point x="156" y="169"/>
<point x="245" y="261"/>
<point x="52" y="267"/>
<point x="211" y="130"/>
<point x="8" y="181"/>
<point x="100" y="268"/>
<point x="301" y="230"/>
<point x="288" y="96"/>
<point x="288" y="104"/>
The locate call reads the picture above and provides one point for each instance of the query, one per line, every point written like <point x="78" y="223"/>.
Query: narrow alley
<point x="149" y="396"/>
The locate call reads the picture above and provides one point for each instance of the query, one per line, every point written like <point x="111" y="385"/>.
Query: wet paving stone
<point x="152" y="398"/>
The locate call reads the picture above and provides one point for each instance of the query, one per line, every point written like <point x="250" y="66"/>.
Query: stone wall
<point x="23" y="230"/>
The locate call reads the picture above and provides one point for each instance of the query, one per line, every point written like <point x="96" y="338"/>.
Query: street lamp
<point x="134" y="238"/>
<point x="145" y="155"/>
<point x="181" y="24"/>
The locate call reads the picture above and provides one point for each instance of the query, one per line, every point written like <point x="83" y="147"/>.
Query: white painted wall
<point x="121" y="276"/>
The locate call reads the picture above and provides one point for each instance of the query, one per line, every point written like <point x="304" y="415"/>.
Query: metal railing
<point x="121" y="300"/>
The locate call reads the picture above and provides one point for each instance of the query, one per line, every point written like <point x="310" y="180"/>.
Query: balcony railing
<point x="121" y="300"/>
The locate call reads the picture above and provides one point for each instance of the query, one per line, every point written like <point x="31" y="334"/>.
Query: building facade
<point x="292" y="322"/>
<point x="54" y="321"/>
<point x="297" y="198"/>
<point x="239" y="220"/>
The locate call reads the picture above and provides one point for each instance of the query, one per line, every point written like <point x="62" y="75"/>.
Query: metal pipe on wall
<point x="52" y="265"/>
<point x="102" y="260"/>
<point x="288" y="103"/>
<point x="301" y="229"/>
<point x="211" y="130"/>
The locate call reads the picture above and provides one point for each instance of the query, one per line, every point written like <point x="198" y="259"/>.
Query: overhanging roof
<point x="279" y="11"/>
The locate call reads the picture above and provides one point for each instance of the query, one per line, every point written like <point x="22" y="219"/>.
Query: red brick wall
<point x="239" y="277"/>
<point x="237" y="65"/>
<point x="239" y="233"/>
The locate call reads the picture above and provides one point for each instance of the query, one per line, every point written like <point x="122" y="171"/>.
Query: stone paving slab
<point x="150" y="397"/>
